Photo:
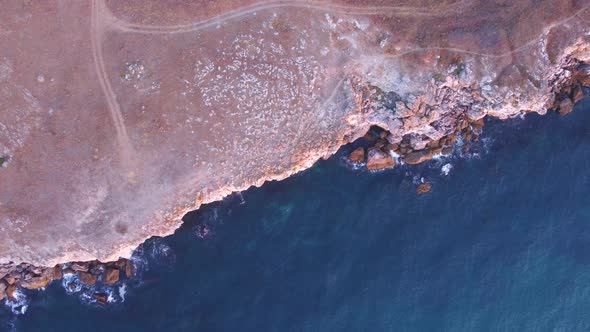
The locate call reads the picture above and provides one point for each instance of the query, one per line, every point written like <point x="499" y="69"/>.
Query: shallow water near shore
<point x="500" y="243"/>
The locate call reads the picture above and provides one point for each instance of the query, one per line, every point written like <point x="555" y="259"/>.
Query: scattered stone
<point x="36" y="282"/>
<point x="565" y="106"/>
<point x="87" y="278"/>
<point x="72" y="286"/>
<point x="418" y="157"/>
<point x="447" y="150"/>
<point x="423" y="188"/>
<point x="357" y="156"/>
<point x="101" y="298"/>
<point x="377" y="159"/>
<point x="111" y="276"/>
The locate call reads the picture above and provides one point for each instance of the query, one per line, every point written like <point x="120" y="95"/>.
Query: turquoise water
<point x="502" y="243"/>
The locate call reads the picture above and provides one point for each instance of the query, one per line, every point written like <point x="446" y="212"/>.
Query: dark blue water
<point x="500" y="244"/>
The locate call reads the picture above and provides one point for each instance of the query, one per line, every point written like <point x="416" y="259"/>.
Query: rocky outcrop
<point x="90" y="273"/>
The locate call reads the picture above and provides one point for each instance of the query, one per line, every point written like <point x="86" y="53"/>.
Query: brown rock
<point x="452" y="139"/>
<point x="423" y="188"/>
<point x="433" y="144"/>
<point x="111" y="276"/>
<point x="56" y="272"/>
<point x="129" y="269"/>
<point x="477" y="124"/>
<point x="437" y="150"/>
<point x="357" y="156"/>
<point x="80" y="266"/>
<point x="121" y="262"/>
<point x="577" y="93"/>
<point x="447" y="150"/>
<point x="101" y="298"/>
<point x="87" y="278"/>
<point x="377" y="159"/>
<point x="383" y="134"/>
<point x="10" y="279"/>
<point x="565" y="106"/>
<point x="10" y="292"/>
<point x="418" y="157"/>
<point x="369" y="137"/>
<point x="36" y="282"/>
<point x="380" y="144"/>
<point x="2" y="290"/>
<point x="392" y="147"/>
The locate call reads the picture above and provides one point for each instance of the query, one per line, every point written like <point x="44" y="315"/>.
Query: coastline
<point x="451" y="92"/>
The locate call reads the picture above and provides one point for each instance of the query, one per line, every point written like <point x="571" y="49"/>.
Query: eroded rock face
<point x="116" y="118"/>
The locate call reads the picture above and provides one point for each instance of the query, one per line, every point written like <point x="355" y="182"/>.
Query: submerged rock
<point x="423" y="188"/>
<point x="377" y="160"/>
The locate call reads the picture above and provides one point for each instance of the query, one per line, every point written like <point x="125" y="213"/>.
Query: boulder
<point x="418" y="157"/>
<point x="36" y="282"/>
<point x="87" y="278"/>
<point x="129" y="269"/>
<point x="565" y="106"/>
<point x="423" y="188"/>
<point x="111" y="276"/>
<point x="377" y="159"/>
<point x="357" y="156"/>
<point x="2" y="290"/>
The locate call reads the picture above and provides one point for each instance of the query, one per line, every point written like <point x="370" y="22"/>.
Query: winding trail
<point x="114" y="108"/>
<point x="274" y="4"/>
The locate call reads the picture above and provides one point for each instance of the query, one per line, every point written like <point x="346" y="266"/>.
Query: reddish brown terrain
<point x="118" y="117"/>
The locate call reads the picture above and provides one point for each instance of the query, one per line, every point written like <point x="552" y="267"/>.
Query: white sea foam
<point x="446" y="169"/>
<point x="19" y="304"/>
<point x="122" y="292"/>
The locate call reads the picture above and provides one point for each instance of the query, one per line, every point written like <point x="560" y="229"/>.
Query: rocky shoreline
<point x="173" y="123"/>
<point x="15" y="278"/>
<point x="380" y="154"/>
